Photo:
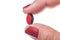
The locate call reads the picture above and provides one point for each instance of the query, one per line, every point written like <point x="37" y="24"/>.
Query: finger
<point x="35" y="7"/>
<point x="40" y="31"/>
<point x="52" y="3"/>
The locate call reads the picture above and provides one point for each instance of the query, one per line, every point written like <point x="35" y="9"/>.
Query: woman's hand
<point x="42" y="32"/>
<point x="39" y="5"/>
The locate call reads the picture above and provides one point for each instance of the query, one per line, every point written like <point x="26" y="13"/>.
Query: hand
<point x="39" y="5"/>
<point x="42" y="32"/>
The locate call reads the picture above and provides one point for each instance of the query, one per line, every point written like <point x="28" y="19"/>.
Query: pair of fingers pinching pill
<point x="29" y="18"/>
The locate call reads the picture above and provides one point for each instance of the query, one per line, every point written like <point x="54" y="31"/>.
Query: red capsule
<point x="29" y="18"/>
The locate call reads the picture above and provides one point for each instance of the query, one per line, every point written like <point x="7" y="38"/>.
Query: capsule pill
<point x="29" y="18"/>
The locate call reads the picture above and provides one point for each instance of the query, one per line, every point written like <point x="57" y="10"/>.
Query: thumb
<point x="42" y="32"/>
<point x="36" y="6"/>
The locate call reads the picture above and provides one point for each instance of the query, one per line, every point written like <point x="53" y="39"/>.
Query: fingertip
<point x="34" y="8"/>
<point x="32" y="31"/>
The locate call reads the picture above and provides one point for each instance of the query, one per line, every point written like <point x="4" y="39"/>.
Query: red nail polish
<point x="32" y="31"/>
<point x="29" y="18"/>
<point x="27" y="6"/>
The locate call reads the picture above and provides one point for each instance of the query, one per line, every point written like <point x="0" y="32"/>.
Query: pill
<point x="29" y="18"/>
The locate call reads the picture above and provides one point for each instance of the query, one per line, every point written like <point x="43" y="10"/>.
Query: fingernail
<point x="26" y="6"/>
<point x="32" y="31"/>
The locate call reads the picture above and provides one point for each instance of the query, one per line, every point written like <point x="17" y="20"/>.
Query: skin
<point x="39" y="5"/>
<point x="45" y="32"/>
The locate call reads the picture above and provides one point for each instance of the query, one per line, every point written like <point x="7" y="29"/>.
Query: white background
<point x="13" y="20"/>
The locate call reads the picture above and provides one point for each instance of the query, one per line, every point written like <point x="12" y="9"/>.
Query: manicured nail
<point x="26" y="6"/>
<point x="32" y="31"/>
